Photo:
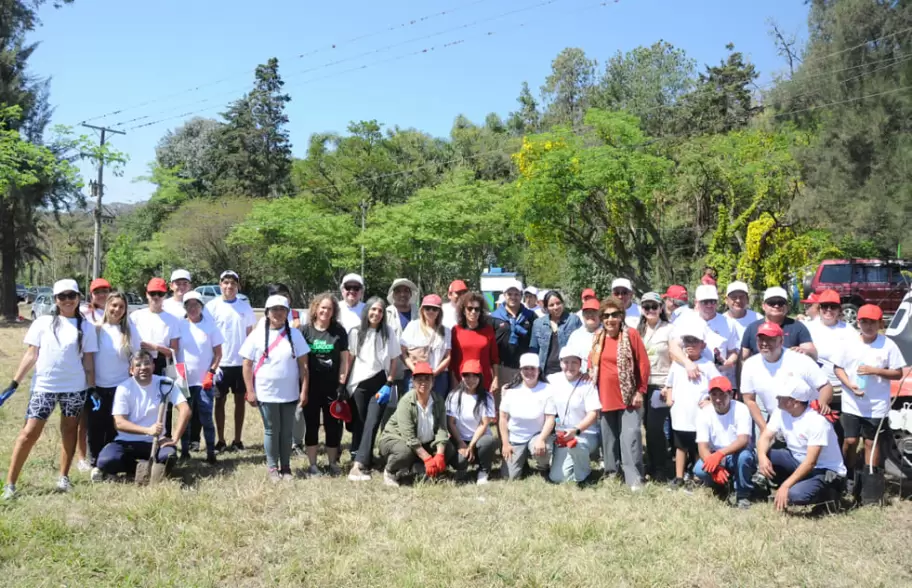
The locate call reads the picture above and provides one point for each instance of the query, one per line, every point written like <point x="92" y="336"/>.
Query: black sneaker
<point x="676" y="484"/>
<point x="210" y="459"/>
<point x="220" y="447"/>
<point x="236" y="446"/>
<point x="195" y="446"/>
<point x="185" y="456"/>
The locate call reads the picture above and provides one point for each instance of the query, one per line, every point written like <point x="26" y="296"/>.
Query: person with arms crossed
<point x="795" y="334"/>
<point x="61" y="348"/>
<point x="470" y="412"/>
<point x="235" y="320"/>
<point x="724" y="431"/>
<point x="811" y="462"/>
<point x="575" y="406"/>
<point x="136" y="406"/>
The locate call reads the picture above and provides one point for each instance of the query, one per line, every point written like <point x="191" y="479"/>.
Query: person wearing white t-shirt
<point x="737" y="298"/>
<point x="526" y="420"/>
<point x="762" y="376"/>
<point x="866" y="366"/>
<point x="622" y="289"/>
<point x="530" y="301"/>
<point x="811" y="463"/>
<point x="180" y="285"/>
<point x="276" y="376"/>
<point x="136" y="407"/>
<point x="582" y="339"/>
<point x="61" y="348"/>
<point x="684" y="395"/>
<point x="235" y="321"/>
<point x="160" y="331"/>
<point x="450" y="315"/>
<point x="201" y="353"/>
<point x="118" y="340"/>
<point x="351" y="307"/>
<point x="470" y="412"/>
<point x="426" y="339"/>
<point x="724" y="440"/>
<point x="655" y="331"/>
<point x="830" y="334"/>
<point x="575" y="406"/>
<point x="722" y="342"/>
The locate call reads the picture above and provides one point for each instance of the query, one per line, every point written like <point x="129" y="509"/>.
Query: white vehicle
<point x="210" y="291"/>
<point x="898" y="445"/>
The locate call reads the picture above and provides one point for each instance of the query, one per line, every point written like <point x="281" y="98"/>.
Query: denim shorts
<point x="41" y="404"/>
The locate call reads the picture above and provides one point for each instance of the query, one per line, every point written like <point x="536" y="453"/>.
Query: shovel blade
<point x="157" y="474"/>
<point x="143" y="473"/>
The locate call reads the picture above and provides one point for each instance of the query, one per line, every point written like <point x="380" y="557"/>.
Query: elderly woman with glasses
<point x="619" y="365"/>
<point x="473" y="337"/>
<point x="830" y="333"/>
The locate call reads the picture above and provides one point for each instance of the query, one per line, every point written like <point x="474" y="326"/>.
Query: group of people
<point x="738" y="401"/>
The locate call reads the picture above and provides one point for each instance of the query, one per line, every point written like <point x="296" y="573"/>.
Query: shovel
<point x="150" y="471"/>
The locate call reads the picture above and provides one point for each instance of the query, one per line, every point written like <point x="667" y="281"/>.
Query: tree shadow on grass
<point x="193" y="472"/>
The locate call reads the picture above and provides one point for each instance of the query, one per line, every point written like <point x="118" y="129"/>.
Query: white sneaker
<point x="63" y="484"/>
<point x="83" y="466"/>
<point x="482" y="478"/>
<point x="357" y="475"/>
<point x="389" y="480"/>
<point x="97" y="475"/>
<point x="9" y="492"/>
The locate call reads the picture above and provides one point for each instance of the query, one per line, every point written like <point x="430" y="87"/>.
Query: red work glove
<point x="207" y="381"/>
<point x="430" y="467"/>
<point x="559" y="441"/>
<point x="440" y="462"/>
<point x="711" y="463"/>
<point x="721" y="476"/>
<point x="833" y="416"/>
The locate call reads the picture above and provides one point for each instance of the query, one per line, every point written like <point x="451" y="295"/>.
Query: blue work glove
<point x="383" y="396"/>
<point x="10" y="390"/>
<point x="96" y="399"/>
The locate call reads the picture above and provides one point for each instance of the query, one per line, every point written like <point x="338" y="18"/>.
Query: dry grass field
<point x="228" y="526"/>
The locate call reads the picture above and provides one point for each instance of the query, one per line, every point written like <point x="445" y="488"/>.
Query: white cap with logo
<point x="736" y="287"/>
<point x="706" y="292"/>
<point x="775" y="292"/>
<point x="622" y="283"/>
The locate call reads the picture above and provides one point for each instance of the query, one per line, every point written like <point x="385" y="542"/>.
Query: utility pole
<point x="98" y="192"/>
<point x="363" y="224"/>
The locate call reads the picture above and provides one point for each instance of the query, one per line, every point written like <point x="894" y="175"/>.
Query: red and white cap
<point x="769" y="329"/>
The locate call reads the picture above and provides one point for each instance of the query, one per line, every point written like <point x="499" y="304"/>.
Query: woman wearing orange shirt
<point x="621" y="370"/>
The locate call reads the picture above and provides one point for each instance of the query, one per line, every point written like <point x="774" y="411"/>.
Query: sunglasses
<point x="473" y="309"/>
<point x="690" y="341"/>
<point x="68" y="296"/>
<point x="431" y="309"/>
<point x="353" y="287"/>
<point x="776" y="302"/>
<point x="612" y="315"/>
<point x="830" y="306"/>
<point x="101" y="291"/>
<point x="650" y="307"/>
<point x="156" y="294"/>
<point x="621" y="292"/>
<point x="709" y="302"/>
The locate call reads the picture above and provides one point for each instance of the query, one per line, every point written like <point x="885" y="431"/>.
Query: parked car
<point x="898" y="445"/>
<point x="43" y="305"/>
<point x="863" y="281"/>
<point x="210" y="291"/>
<point x="134" y="302"/>
<point x="36" y="291"/>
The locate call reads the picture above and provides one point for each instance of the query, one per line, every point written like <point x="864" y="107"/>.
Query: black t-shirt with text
<point x="326" y="347"/>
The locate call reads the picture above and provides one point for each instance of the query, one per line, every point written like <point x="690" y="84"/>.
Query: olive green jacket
<point x="403" y="425"/>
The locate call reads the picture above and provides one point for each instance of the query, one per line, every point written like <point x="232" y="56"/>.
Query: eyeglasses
<point x="709" y="302"/>
<point x="830" y="306"/>
<point x="621" y="292"/>
<point x="473" y="309"/>
<point x="352" y="287"/>
<point x="68" y="296"/>
<point x="156" y="294"/>
<point x="776" y="302"/>
<point x="650" y="307"/>
<point x="612" y="315"/>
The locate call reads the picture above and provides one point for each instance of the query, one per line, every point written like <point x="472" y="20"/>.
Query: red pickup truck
<point x="863" y="281"/>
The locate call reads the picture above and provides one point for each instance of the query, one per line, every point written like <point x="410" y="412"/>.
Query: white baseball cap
<point x="180" y="274"/>
<point x="61" y="286"/>
<point x="691" y="328"/>
<point x="531" y="290"/>
<point x="230" y="274"/>
<point x="542" y="294"/>
<point x="514" y="284"/>
<point x="737" y="287"/>
<point x="528" y="360"/>
<point x="706" y="292"/>
<point x="622" y="283"/>
<point x="353" y="278"/>
<point x="797" y="388"/>
<point x="276" y="300"/>
<point x="775" y="292"/>
<point x="569" y="352"/>
<point x="192" y="295"/>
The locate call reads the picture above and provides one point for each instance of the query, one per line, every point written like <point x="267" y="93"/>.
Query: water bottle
<point x="861" y="381"/>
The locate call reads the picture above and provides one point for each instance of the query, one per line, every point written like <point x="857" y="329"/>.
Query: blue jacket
<point x="513" y="335"/>
<point x="541" y="334"/>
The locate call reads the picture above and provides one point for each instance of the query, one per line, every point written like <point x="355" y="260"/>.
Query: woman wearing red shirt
<point x="473" y="338"/>
<point x="622" y="374"/>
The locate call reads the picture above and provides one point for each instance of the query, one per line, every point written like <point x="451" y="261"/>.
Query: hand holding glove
<point x="383" y="396"/>
<point x="711" y="463"/>
<point x="721" y="476"/>
<point x="208" y="381"/>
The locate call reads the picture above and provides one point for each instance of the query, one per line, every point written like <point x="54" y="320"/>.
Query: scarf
<point x="626" y="368"/>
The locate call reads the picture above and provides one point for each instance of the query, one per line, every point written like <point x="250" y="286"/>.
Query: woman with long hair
<point x="374" y="351"/>
<point x="470" y="412"/>
<point x="474" y="338"/>
<point x="619" y="366"/>
<point x="426" y="339"/>
<point x="551" y="332"/>
<point x="118" y="340"/>
<point x="328" y="363"/>
<point x="655" y="330"/>
<point x="276" y="377"/>
<point x="526" y="420"/>
<point x="61" y="348"/>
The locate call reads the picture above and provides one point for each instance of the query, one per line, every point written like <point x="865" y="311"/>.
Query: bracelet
<point x="212" y="371"/>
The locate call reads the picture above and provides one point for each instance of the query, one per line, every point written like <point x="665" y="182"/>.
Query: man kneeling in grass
<point x="724" y="441"/>
<point x="812" y="462"/>
<point x="136" y="405"/>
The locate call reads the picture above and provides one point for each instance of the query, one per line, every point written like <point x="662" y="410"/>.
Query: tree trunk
<point x="9" y="305"/>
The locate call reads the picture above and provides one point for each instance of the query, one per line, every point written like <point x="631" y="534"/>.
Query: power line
<point x="331" y="47"/>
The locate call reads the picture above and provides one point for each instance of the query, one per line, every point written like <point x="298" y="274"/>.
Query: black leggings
<point x="320" y="395"/>
<point x="100" y="430"/>
<point x="366" y="417"/>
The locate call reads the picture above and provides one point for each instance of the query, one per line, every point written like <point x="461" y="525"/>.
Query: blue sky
<point x="105" y="55"/>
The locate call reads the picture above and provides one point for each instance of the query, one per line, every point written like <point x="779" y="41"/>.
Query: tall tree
<point x="190" y="151"/>
<point x="528" y="118"/>
<point x="254" y="155"/>
<point x="567" y="91"/>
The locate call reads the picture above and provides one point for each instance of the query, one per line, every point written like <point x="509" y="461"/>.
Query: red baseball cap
<point x="422" y="368"/>
<point x="769" y="329"/>
<point x="720" y="382"/>
<point x="812" y="299"/>
<point x="591" y="304"/>
<point x="157" y="285"/>
<point x="870" y="312"/>
<point x="676" y="293"/>
<point x="431" y="300"/>
<point x="340" y="410"/>
<point x="828" y="297"/>
<point x="99" y="283"/>
<point x="588" y="293"/>
<point x="457" y="286"/>
<point x="470" y="366"/>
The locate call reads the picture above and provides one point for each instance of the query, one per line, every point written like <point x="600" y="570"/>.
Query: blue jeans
<point x="201" y="404"/>
<point x="741" y="468"/>
<point x="572" y="463"/>
<point x="121" y="456"/>
<point x="278" y="422"/>
<point x="808" y="490"/>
